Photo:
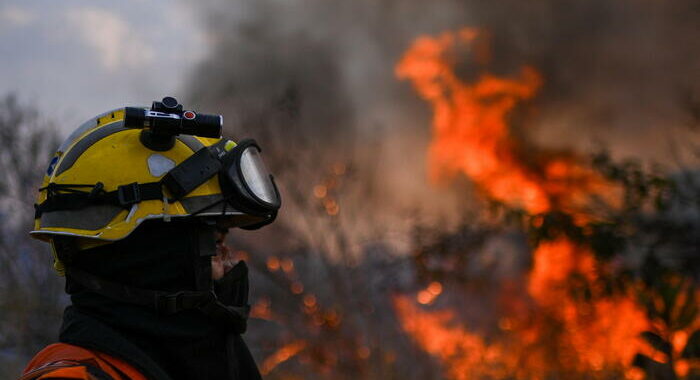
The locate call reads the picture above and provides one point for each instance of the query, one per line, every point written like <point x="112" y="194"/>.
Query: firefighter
<point x="135" y="205"/>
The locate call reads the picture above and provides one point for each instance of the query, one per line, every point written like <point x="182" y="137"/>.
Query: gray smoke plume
<point x="328" y="65"/>
<point x="314" y="80"/>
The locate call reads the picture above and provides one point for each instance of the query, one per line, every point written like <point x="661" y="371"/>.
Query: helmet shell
<point x="103" y="150"/>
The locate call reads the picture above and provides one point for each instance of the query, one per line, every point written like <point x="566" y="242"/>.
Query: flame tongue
<point x="470" y="130"/>
<point x="471" y="135"/>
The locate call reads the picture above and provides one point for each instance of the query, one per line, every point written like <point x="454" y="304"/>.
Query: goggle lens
<point x="256" y="176"/>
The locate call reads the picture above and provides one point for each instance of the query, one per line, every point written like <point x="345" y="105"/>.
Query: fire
<point x="601" y="334"/>
<point x="280" y="356"/>
<point x="262" y="310"/>
<point x="469" y="355"/>
<point x="472" y="118"/>
<point x="472" y="136"/>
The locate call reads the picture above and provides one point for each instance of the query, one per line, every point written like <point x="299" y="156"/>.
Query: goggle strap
<point x="211" y="205"/>
<point x="192" y="172"/>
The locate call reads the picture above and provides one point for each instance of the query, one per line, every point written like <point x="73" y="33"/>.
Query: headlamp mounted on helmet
<point x="245" y="182"/>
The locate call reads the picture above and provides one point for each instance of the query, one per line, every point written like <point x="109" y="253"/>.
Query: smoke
<point x="313" y="80"/>
<point x="614" y="71"/>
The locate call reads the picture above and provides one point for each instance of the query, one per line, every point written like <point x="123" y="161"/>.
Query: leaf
<point x="692" y="348"/>
<point x="658" y="342"/>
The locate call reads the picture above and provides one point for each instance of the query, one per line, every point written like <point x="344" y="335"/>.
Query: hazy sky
<point x="616" y="80"/>
<point x="78" y="58"/>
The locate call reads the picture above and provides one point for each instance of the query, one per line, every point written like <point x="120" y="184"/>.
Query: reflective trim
<point x="89" y="218"/>
<point x="40" y="234"/>
<point x="191" y="142"/>
<point x="81" y="146"/>
<point x="158" y="164"/>
<point x="91" y="123"/>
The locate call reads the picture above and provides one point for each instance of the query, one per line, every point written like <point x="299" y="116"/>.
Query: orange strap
<point x="66" y="361"/>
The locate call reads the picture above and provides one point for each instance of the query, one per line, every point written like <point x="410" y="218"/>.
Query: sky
<point x="616" y="80"/>
<point x="75" y="59"/>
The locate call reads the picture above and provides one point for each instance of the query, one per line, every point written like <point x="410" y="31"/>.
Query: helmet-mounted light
<point x="245" y="181"/>
<point x="166" y="119"/>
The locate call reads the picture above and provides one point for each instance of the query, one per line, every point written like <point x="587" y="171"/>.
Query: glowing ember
<point x="282" y="355"/>
<point x="262" y="309"/>
<point x="339" y="168"/>
<point x="297" y="287"/>
<point x="471" y="135"/>
<point x="287" y="265"/>
<point x="309" y="300"/>
<point x="320" y="191"/>
<point x="332" y="207"/>
<point x="273" y="264"/>
<point x="429" y="294"/>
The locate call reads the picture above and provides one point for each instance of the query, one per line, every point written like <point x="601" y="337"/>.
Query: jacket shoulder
<point x="66" y="361"/>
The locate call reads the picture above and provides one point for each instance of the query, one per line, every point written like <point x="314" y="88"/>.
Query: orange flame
<point x="472" y="118"/>
<point x="471" y="135"/>
<point x="469" y="355"/>
<point x="282" y="355"/>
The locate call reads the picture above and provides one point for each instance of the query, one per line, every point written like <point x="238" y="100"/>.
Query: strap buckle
<point x="128" y="195"/>
<point x="183" y="300"/>
<point x="97" y="190"/>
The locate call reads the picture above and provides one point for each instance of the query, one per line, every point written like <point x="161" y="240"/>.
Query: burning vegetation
<point x="426" y="232"/>
<point x="583" y="318"/>
<point x="590" y="299"/>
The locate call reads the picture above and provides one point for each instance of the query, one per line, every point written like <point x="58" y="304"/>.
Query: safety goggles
<point x="245" y="182"/>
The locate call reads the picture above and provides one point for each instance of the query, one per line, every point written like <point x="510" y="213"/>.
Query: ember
<point x="280" y="356"/>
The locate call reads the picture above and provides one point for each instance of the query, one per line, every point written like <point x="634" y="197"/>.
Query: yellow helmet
<point x="130" y="165"/>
